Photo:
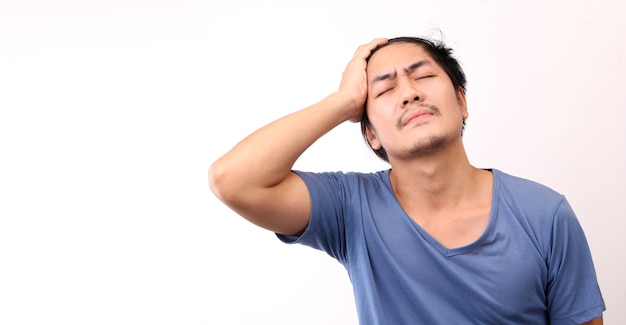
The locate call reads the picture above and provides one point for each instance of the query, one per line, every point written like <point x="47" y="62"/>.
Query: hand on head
<point x="354" y="78"/>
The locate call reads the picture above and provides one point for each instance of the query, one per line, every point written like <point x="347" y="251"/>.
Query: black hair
<point x="441" y="54"/>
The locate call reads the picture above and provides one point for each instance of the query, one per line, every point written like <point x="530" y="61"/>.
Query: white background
<point x="112" y="111"/>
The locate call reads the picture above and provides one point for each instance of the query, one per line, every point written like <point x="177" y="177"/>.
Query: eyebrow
<point x="408" y="69"/>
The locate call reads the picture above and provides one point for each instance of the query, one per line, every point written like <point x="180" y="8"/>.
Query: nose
<point x="410" y="94"/>
<point x="407" y="101"/>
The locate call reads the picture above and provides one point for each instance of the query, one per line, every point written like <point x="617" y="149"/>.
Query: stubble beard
<point x="433" y="143"/>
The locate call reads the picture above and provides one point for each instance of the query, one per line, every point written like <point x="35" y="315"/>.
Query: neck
<point x="437" y="180"/>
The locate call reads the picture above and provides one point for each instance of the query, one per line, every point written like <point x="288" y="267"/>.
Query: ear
<point x="463" y="103"/>
<point x="371" y="138"/>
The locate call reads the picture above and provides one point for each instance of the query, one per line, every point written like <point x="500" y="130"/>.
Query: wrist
<point x="351" y="108"/>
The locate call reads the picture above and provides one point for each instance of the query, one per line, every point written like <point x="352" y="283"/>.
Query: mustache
<point x="433" y="109"/>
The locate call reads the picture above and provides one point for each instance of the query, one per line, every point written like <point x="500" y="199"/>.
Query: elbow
<point x="226" y="184"/>
<point x="218" y="180"/>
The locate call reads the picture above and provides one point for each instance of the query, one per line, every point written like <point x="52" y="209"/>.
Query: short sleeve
<point x="326" y="228"/>
<point x="573" y="293"/>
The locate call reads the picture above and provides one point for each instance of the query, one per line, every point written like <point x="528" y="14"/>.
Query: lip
<point x="416" y="116"/>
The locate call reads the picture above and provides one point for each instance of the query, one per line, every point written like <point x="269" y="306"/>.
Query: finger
<point x="372" y="44"/>
<point x="378" y="41"/>
<point x="364" y="50"/>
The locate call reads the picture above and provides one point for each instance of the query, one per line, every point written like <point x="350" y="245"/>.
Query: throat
<point x="455" y="211"/>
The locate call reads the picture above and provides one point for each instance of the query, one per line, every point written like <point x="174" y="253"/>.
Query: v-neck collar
<point x="461" y="249"/>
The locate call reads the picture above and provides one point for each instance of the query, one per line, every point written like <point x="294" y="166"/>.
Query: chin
<point x="432" y="144"/>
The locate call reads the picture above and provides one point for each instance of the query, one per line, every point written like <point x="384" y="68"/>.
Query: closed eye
<point x="384" y="91"/>
<point x="424" y="77"/>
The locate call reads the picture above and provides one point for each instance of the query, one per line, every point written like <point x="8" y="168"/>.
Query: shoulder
<point x="346" y="188"/>
<point x="536" y="209"/>
<point x="344" y="179"/>
<point x="524" y="190"/>
<point x="522" y="184"/>
<point x="535" y="203"/>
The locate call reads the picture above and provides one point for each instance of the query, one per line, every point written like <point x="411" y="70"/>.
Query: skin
<point x="416" y="115"/>
<point x="431" y="175"/>
<point x="597" y="321"/>
<point x="259" y="184"/>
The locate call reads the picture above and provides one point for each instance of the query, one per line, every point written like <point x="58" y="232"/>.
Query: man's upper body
<point x="531" y="265"/>
<point x="415" y="114"/>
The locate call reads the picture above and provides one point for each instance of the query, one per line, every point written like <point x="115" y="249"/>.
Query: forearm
<point x="254" y="178"/>
<point x="265" y="158"/>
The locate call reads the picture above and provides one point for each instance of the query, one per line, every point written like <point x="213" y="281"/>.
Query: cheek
<point x="379" y="118"/>
<point x="381" y="108"/>
<point x="382" y="122"/>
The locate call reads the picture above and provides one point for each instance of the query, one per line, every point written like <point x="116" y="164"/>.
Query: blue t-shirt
<point x="532" y="264"/>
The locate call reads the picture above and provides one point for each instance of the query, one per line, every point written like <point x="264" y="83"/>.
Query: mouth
<point x="417" y="116"/>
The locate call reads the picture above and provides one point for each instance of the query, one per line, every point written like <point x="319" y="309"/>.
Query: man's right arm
<point x="255" y="177"/>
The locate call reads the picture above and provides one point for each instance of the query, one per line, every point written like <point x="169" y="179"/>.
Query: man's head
<point x="440" y="55"/>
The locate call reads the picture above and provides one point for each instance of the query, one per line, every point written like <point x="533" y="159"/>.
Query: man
<point x="432" y="240"/>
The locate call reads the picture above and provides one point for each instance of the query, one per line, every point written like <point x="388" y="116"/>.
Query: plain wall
<point x="112" y="111"/>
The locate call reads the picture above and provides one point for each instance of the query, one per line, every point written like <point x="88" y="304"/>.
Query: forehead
<point x="396" y="57"/>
